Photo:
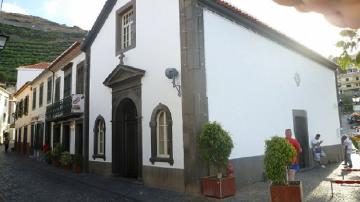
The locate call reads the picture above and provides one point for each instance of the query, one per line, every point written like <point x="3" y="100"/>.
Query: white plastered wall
<point x="157" y="48"/>
<point x="252" y="90"/>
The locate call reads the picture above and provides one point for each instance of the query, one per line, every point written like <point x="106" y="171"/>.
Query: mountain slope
<point x="32" y="40"/>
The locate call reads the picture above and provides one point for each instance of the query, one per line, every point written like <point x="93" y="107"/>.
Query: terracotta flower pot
<point x="287" y="193"/>
<point x="56" y="163"/>
<point x="218" y="188"/>
<point x="77" y="169"/>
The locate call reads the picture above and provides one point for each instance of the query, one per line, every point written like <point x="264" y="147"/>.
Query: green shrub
<point x="279" y="153"/>
<point x="65" y="159"/>
<point x="56" y="152"/>
<point x="215" y="146"/>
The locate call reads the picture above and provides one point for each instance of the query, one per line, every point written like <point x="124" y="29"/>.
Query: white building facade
<point x="5" y="113"/>
<point x="28" y="73"/>
<point x="142" y="126"/>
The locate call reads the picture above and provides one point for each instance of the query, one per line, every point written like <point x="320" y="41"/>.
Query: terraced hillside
<point x="32" y="42"/>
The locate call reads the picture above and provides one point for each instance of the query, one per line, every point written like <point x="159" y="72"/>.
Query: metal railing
<point x="60" y="108"/>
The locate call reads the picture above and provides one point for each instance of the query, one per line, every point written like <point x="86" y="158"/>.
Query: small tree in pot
<point x="279" y="153"/>
<point x="215" y="147"/>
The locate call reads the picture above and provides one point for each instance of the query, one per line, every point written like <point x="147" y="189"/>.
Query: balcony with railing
<point x="71" y="106"/>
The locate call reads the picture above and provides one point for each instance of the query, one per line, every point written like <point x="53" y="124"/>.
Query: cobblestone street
<point x="24" y="179"/>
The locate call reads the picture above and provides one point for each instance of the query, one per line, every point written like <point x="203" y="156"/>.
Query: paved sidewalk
<point x="315" y="183"/>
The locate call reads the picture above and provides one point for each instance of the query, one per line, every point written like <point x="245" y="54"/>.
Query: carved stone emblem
<point x="297" y="79"/>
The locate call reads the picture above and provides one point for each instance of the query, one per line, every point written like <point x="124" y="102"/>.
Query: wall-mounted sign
<point x="77" y="103"/>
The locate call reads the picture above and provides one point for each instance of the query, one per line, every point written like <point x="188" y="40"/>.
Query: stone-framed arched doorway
<point x="125" y="82"/>
<point x="125" y="140"/>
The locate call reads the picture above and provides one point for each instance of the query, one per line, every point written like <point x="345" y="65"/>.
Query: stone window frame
<point x="153" y="125"/>
<point x="119" y="14"/>
<point x="95" y="130"/>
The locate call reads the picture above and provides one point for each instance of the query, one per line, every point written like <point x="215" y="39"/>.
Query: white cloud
<point x="82" y="13"/>
<point x="13" y="8"/>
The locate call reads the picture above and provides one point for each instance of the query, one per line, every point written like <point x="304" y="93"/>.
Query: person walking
<point x="294" y="167"/>
<point x="316" y="149"/>
<point x="348" y="150"/>
<point x="6" y="141"/>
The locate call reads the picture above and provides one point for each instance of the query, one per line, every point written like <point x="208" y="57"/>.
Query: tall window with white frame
<point x="161" y="135"/>
<point x="99" y="138"/>
<point x="126" y="28"/>
<point x="126" y="22"/>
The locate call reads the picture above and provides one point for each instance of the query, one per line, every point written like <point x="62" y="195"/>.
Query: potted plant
<point x="279" y="153"/>
<point x="77" y="164"/>
<point x="48" y="157"/>
<point x="65" y="160"/>
<point x="55" y="155"/>
<point x="215" y="147"/>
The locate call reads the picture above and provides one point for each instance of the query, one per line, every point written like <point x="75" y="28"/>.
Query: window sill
<point x="98" y="156"/>
<point x="169" y="160"/>
<point x="118" y="52"/>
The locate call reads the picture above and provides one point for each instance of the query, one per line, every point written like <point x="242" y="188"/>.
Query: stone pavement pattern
<point x="24" y="179"/>
<point x="315" y="183"/>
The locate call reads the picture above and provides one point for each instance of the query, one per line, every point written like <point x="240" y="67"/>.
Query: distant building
<point x="349" y="82"/>
<point x="29" y="72"/>
<point x="50" y="105"/>
<point x="5" y="113"/>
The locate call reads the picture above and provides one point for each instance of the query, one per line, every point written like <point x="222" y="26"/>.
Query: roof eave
<point x="90" y="37"/>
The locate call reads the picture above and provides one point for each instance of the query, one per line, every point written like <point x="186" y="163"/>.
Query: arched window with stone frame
<point x="99" y="138"/>
<point x="161" y="135"/>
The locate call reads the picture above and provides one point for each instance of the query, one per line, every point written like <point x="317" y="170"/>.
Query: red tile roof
<point x="41" y="65"/>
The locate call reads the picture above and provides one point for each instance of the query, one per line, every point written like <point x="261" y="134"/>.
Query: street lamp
<point x="3" y="39"/>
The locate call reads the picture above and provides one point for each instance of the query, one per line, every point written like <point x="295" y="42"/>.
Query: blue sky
<point x="310" y="29"/>
<point x="60" y="11"/>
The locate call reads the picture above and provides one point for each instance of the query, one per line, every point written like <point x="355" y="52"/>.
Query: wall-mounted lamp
<point x="172" y="73"/>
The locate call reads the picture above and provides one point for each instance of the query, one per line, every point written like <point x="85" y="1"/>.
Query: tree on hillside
<point x="350" y="56"/>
